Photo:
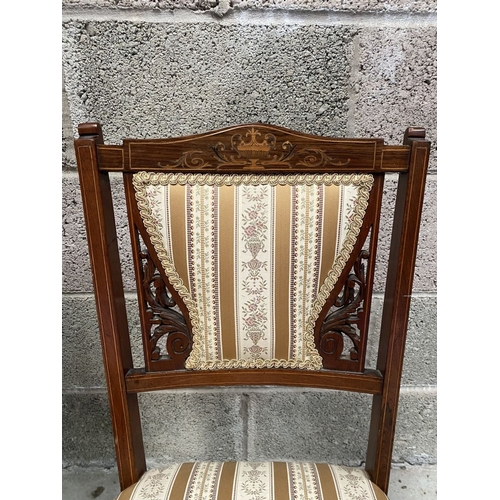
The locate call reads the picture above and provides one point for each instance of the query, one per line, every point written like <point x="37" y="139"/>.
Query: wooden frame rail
<point x="392" y="159"/>
<point x="369" y="382"/>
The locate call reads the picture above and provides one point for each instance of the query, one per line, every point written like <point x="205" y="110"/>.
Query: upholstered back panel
<point x="254" y="258"/>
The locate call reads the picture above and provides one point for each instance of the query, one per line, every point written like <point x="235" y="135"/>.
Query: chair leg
<point x="381" y="441"/>
<point x="128" y="440"/>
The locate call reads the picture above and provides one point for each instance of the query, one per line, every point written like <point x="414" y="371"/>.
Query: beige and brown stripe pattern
<point x="253" y="257"/>
<point x="254" y="481"/>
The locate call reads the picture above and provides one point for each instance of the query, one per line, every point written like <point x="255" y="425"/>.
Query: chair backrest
<point x="254" y="250"/>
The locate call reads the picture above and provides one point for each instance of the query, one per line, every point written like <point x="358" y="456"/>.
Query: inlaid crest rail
<point x="255" y="148"/>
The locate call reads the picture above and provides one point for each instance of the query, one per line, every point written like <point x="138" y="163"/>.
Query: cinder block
<point x="160" y="79"/>
<point x="409" y="6"/>
<point x="395" y="85"/>
<point x="77" y="276"/>
<point x="283" y="424"/>
<point x="412" y="6"/>
<point x="106" y="63"/>
<point x="199" y="5"/>
<point x="415" y="440"/>
<point x="177" y="426"/>
<point x="420" y="364"/>
<point x="333" y="426"/>
<point x="87" y="435"/>
<point x="293" y="424"/>
<point x="68" y="150"/>
<point x="425" y="278"/>
<point x="82" y="362"/>
<point x="192" y="425"/>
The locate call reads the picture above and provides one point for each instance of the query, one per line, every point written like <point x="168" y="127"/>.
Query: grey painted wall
<point x="165" y="68"/>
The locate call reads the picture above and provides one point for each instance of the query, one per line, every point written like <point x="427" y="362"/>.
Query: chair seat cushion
<point x="253" y="481"/>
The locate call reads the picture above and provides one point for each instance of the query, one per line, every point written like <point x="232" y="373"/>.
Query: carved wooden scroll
<point x="346" y="324"/>
<point x="169" y="338"/>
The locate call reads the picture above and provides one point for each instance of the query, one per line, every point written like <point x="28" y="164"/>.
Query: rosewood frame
<point x="95" y="161"/>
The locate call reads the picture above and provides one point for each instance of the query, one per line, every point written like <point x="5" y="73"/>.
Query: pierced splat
<point x="346" y="322"/>
<point x="163" y="320"/>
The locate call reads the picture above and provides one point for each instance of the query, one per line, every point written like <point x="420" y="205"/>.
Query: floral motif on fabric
<point x="254" y="276"/>
<point x="154" y="196"/>
<point x="156" y="484"/>
<point x="352" y="484"/>
<point x="253" y="481"/>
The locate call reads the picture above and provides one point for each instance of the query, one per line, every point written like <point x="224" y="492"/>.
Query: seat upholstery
<point x="253" y="481"/>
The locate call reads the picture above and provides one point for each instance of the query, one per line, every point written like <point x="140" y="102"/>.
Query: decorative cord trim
<point x="196" y="361"/>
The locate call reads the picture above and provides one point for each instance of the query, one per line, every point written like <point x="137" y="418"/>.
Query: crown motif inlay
<point x="255" y="151"/>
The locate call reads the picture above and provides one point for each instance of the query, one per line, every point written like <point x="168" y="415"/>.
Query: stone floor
<point x="407" y="483"/>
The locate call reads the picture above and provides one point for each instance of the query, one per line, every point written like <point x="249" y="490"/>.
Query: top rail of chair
<point x="253" y="147"/>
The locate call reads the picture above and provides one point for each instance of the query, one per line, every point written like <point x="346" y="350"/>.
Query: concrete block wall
<point x="171" y="67"/>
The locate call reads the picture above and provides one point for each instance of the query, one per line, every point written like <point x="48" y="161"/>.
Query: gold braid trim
<point x="143" y="179"/>
<point x="365" y="183"/>
<point x="196" y="361"/>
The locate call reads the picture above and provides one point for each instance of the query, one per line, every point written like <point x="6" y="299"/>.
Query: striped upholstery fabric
<point x="254" y="481"/>
<point x="254" y="258"/>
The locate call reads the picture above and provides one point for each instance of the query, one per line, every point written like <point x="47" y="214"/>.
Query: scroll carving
<point x="190" y="159"/>
<point x="254" y="150"/>
<point x="163" y="320"/>
<point x="346" y="322"/>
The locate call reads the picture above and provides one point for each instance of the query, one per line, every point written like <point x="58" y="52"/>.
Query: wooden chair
<point x="254" y="250"/>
